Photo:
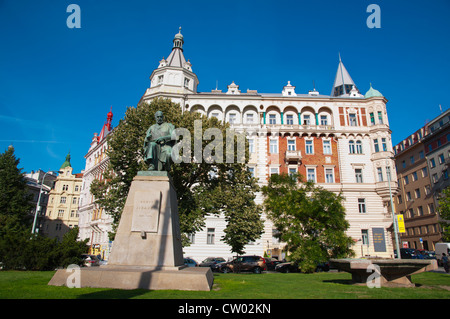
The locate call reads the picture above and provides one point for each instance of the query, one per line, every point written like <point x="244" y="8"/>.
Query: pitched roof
<point x="341" y="81"/>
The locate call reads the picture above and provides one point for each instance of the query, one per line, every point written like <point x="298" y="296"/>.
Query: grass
<point x="332" y="285"/>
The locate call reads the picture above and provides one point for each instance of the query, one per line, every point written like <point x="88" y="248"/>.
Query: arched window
<point x="359" y="149"/>
<point x="351" y="147"/>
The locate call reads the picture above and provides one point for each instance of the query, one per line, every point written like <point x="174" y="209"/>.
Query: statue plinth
<point x="147" y="251"/>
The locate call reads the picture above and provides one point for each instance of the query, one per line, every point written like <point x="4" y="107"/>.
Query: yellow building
<point x="62" y="208"/>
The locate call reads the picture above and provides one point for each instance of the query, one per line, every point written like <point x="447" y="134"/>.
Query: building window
<point x="249" y="118"/>
<point x="408" y="196"/>
<point x="309" y="147"/>
<point x="435" y="178"/>
<point x="232" y="118"/>
<point x="62" y="200"/>
<point x="160" y="79"/>
<point x="326" y="147"/>
<point x="358" y="175"/>
<point x="210" y="236"/>
<point x="273" y="145"/>
<point x="74" y="200"/>
<point x="424" y="172"/>
<point x="186" y="82"/>
<point x="384" y="144"/>
<point x="290" y="119"/>
<point x="251" y="145"/>
<point x="362" y="205"/>
<point x="380" y="117"/>
<point x="372" y="119"/>
<point x="380" y="174"/>
<point x="291" y="145"/>
<point x="252" y="171"/>
<point x="274" y="171"/>
<point x="61" y="213"/>
<point x="352" y="119"/>
<point x="375" y="144"/>
<point x="359" y="149"/>
<point x="420" y="210"/>
<point x="272" y="119"/>
<point x="323" y="120"/>
<point x="417" y="192"/>
<point x="329" y="175"/>
<point x="311" y="172"/>
<point x="365" y="236"/>
<point x="191" y="238"/>
<point x="306" y="119"/>
<point x="441" y="158"/>
<point x="432" y="163"/>
<point x="292" y="171"/>
<point x="431" y="208"/>
<point x="406" y="178"/>
<point x="414" y="176"/>
<point x="351" y="147"/>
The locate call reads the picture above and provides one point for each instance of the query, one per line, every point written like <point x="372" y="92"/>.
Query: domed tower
<point x="174" y="77"/>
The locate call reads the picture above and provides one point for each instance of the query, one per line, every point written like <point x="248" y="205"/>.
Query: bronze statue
<point x="158" y="144"/>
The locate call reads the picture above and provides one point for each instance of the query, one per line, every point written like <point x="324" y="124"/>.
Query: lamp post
<point x="394" y="218"/>
<point x="33" y="229"/>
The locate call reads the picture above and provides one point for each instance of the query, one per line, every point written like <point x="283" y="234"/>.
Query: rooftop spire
<point x="176" y="57"/>
<point x="343" y="82"/>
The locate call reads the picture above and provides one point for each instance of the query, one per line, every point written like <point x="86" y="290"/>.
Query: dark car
<point x="407" y="253"/>
<point x="255" y="264"/>
<point x="271" y="263"/>
<point x="293" y="267"/>
<point x="212" y="262"/>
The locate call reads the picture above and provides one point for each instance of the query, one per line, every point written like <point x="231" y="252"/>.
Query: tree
<point x="203" y="186"/>
<point x="444" y="212"/>
<point x="309" y="219"/>
<point x="15" y="202"/>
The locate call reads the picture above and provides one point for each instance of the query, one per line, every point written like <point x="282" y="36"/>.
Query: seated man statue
<point x="158" y="144"/>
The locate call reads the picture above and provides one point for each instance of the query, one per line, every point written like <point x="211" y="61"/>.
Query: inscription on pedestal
<point x="146" y="212"/>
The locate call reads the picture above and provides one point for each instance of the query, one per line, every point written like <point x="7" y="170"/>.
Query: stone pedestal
<point x="393" y="272"/>
<point x="147" y="251"/>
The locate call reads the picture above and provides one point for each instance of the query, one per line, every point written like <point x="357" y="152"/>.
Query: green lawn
<point x="332" y="285"/>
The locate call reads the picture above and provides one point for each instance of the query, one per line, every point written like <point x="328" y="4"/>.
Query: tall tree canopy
<point x="203" y="186"/>
<point x="15" y="203"/>
<point x="309" y="219"/>
<point x="444" y="212"/>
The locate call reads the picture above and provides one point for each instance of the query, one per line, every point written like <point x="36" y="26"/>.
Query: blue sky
<point x="57" y="84"/>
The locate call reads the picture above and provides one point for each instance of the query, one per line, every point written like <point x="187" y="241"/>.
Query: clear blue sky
<point x="57" y="84"/>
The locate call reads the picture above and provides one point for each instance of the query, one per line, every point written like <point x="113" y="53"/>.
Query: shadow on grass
<point x="114" y="294"/>
<point x="340" y="281"/>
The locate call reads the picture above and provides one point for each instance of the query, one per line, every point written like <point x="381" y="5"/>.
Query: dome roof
<point x="372" y="92"/>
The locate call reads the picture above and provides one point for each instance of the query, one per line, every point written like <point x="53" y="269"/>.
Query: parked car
<point x="255" y="264"/>
<point x="190" y="262"/>
<point x="287" y="267"/>
<point x="90" y="260"/>
<point x="293" y="267"/>
<point x="406" y="253"/>
<point x="425" y="254"/>
<point x="212" y="262"/>
<point x="271" y="263"/>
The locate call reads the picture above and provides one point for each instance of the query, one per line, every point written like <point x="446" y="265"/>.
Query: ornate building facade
<point x="62" y="207"/>
<point x="95" y="223"/>
<point x="341" y="141"/>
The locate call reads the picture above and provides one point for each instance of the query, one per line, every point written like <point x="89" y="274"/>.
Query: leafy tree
<point x="14" y="199"/>
<point x="444" y="212"/>
<point x="309" y="219"/>
<point x="203" y="186"/>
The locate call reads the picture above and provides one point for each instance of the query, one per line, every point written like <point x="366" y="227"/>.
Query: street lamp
<point x="33" y="229"/>
<point x="394" y="218"/>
